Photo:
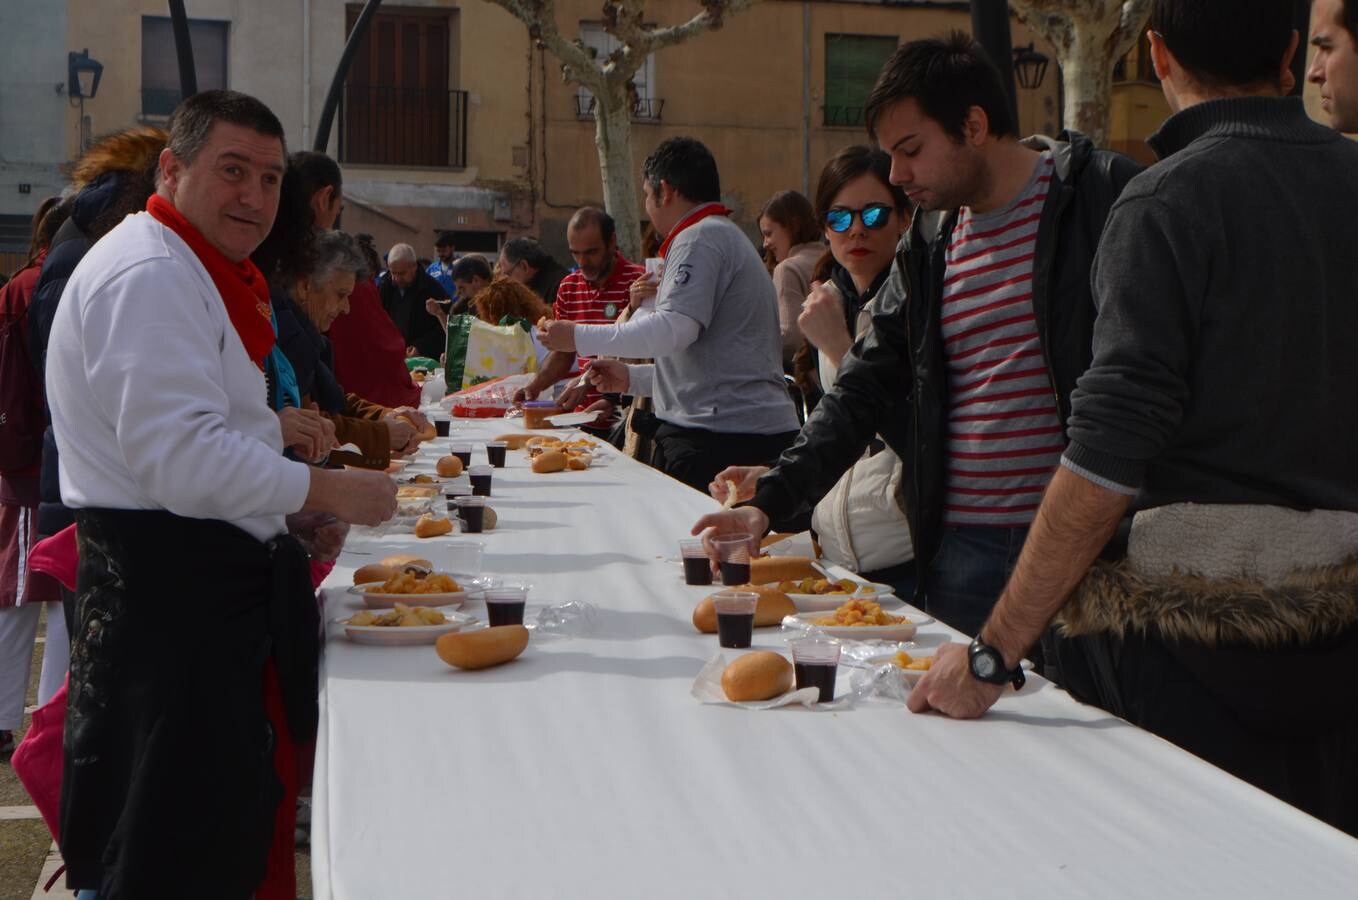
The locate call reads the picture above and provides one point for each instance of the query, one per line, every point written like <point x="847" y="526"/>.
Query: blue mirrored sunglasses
<point x="874" y="216"/>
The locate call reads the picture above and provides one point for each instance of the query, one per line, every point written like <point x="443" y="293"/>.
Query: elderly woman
<point x="307" y="303"/>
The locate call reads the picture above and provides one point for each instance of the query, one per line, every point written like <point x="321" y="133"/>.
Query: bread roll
<point x="489" y="519"/>
<point x="773" y="605"/>
<point x="514" y="441"/>
<point x="373" y="572"/>
<point x="549" y="461"/>
<point x="482" y="648"/>
<point x="578" y="461"/>
<point x="761" y="675"/>
<point x="451" y="467"/>
<point x="399" y="561"/>
<point x="427" y="526"/>
<point x="773" y="569"/>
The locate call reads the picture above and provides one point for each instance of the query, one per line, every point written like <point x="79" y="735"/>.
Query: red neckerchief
<point x="694" y="216"/>
<point x="244" y="290"/>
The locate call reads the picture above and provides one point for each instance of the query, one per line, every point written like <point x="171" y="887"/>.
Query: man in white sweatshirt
<point x="195" y="644"/>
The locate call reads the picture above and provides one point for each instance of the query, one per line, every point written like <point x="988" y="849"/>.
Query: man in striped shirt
<point x="596" y="293"/>
<point x="978" y="336"/>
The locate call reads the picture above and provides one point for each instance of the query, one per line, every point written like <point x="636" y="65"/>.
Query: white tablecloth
<point x="585" y="768"/>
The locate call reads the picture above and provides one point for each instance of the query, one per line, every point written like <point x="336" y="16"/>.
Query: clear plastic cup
<point x="505" y="604"/>
<point x="733" y="558"/>
<point x="463" y="557"/>
<point x="472" y="511"/>
<point x="815" y="661"/>
<point x="495" y="453"/>
<point x="463" y="451"/>
<point x="697" y="567"/>
<point x="735" y="617"/>
<point x="480" y="477"/>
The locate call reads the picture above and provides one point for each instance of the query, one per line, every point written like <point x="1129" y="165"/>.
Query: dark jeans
<point x="966" y="577"/>
<point x="1285" y="719"/>
<point x="695" y="456"/>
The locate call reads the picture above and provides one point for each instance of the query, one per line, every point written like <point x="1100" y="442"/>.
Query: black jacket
<point x="420" y="329"/>
<point x="69" y="247"/>
<point x="894" y="381"/>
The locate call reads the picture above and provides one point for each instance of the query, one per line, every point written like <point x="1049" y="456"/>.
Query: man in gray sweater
<point x="1219" y="405"/>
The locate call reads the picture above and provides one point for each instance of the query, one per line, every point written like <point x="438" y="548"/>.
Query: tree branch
<point x="1134" y="16"/>
<point x="540" y="18"/>
<point x="713" y="15"/>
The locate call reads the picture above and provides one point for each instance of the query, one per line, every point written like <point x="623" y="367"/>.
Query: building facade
<point x="452" y="119"/>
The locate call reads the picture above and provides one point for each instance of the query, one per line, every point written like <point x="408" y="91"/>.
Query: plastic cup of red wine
<point x="814" y="663"/>
<point x="505" y="605"/>
<point x="735" y="617"/>
<point x="697" y="567"/>
<point x="733" y="558"/>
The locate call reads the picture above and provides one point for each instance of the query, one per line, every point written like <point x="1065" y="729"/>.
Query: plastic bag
<point x="491" y="399"/>
<point x="573" y="619"/>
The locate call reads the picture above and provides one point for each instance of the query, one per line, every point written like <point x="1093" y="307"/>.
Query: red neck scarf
<point x="244" y="289"/>
<point x="694" y="216"/>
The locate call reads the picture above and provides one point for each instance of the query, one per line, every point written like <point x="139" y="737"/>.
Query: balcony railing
<point x="647" y="109"/>
<point x="389" y="126"/>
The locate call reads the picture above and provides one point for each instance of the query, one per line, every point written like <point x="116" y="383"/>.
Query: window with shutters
<point x="160" y="92"/>
<point x="398" y="107"/>
<point x="646" y="106"/>
<point x="852" y="63"/>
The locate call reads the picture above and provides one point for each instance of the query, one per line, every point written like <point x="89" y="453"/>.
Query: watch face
<point x="984" y="664"/>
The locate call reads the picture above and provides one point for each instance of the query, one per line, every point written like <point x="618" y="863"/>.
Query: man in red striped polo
<point x="978" y="336"/>
<point x="595" y="293"/>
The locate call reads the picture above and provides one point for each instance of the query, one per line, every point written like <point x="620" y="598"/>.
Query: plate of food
<point x="403" y="626"/>
<point x="863" y="620"/>
<point x="436" y="588"/>
<point x="824" y="594"/>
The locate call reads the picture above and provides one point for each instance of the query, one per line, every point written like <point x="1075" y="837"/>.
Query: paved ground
<point x="25" y="843"/>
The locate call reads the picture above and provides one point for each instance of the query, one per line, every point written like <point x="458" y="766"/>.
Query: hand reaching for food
<point x="735" y="483"/>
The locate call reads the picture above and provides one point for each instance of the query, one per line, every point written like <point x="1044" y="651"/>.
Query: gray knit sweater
<point x="1226" y="348"/>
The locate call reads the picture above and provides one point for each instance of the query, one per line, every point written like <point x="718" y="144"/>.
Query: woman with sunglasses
<point x="860" y="523"/>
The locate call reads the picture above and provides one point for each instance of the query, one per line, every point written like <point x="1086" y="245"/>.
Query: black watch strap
<point x="987" y="664"/>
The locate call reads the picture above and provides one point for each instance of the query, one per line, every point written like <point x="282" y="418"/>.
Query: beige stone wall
<point x="739" y="90"/>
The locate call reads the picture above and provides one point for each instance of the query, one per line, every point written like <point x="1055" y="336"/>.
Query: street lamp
<point x="1029" y="67"/>
<point x="84" y="74"/>
<point x="82" y="81"/>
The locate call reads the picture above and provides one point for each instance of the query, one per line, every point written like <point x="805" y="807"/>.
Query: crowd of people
<point x="1073" y="407"/>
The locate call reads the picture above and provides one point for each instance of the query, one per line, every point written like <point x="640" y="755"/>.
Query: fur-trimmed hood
<point x="1308" y="606"/>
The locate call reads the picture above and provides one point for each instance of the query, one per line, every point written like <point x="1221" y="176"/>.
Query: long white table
<point x="586" y="769"/>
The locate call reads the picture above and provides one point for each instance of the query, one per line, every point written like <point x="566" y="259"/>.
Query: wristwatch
<point x="988" y="665"/>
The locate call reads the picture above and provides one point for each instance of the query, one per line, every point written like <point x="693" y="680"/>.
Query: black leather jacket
<point x="894" y="381"/>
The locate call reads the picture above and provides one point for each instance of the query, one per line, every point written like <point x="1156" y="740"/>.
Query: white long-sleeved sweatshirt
<point x="155" y="403"/>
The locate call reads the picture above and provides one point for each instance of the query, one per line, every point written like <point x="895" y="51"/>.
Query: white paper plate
<point x="415" y="635"/>
<point x="378" y="600"/>
<point x="901" y="632"/>
<point x="819" y="602"/>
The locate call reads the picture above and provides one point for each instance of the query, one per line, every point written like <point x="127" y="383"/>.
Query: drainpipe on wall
<point x="306" y="73"/>
<point x="806" y="98"/>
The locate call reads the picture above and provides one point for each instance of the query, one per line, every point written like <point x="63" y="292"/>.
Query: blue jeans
<point x="971" y="568"/>
<point x="86" y="895"/>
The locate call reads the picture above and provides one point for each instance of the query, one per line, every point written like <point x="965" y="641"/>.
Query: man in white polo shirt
<point x="194" y="651"/>
<point x="717" y="380"/>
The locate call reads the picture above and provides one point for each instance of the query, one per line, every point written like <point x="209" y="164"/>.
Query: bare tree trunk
<point x="1089" y="37"/>
<point x="1087" y="76"/>
<point x="613" y="137"/>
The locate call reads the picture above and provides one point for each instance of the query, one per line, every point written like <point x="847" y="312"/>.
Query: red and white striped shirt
<point x="1004" y="432"/>
<point x="581" y="302"/>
